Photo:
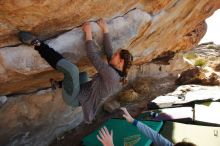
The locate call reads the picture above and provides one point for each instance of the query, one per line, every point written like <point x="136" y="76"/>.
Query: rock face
<point x="197" y="76"/>
<point x="205" y="59"/>
<point x="146" y="28"/>
<point x="36" y="119"/>
<point x="186" y="94"/>
<point x="153" y="30"/>
<point x="48" y="18"/>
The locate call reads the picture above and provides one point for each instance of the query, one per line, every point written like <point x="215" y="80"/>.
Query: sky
<point x="213" y="31"/>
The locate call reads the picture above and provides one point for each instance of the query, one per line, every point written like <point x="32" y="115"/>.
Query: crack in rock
<point x="122" y="29"/>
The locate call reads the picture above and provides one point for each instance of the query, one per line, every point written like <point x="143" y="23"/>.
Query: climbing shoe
<point x="28" y="38"/>
<point x="55" y="84"/>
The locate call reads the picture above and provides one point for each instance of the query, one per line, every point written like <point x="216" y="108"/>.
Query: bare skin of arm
<point x="107" y="44"/>
<point x="102" y="24"/>
<point x="88" y="31"/>
<point x="101" y="66"/>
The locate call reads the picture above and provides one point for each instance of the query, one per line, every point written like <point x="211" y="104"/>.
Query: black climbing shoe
<point x="28" y="38"/>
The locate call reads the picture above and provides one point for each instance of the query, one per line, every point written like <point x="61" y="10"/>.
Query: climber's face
<point x="117" y="61"/>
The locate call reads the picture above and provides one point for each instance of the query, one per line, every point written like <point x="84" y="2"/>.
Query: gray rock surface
<point x="36" y="119"/>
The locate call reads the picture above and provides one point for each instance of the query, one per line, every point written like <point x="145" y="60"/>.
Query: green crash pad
<point x="124" y="133"/>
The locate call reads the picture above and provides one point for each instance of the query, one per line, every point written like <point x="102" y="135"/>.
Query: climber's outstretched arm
<point x="157" y="139"/>
<point x="106" y="38"/>
<point x="101" y="66"/>
<point x="88" y="31"/>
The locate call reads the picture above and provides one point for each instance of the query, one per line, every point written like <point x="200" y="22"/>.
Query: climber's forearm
<point x="88" y="36"/>
<point x="88" y="31"/>
<point x="105" y="29"/>
<point x="107" y="46"/>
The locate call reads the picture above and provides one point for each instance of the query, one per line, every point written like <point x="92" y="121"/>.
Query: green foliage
<point x="200" y="62"/>
<point x="191" y="56"/>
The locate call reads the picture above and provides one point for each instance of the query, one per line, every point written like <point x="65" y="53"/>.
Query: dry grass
<point x="191" y="56"/>
<point x="200" y="62"/>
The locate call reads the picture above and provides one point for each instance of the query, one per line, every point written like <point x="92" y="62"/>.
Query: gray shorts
<point x="71" y="82"/>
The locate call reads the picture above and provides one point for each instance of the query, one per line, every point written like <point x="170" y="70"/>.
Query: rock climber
<point x="109" y="79"/>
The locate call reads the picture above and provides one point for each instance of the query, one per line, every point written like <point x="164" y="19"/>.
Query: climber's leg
<point x="70" y="85"/>
<point x="49" y="54"/>
<point x="83" y="77"/>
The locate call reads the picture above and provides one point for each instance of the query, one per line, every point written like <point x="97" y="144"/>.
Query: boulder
<point x="36" y="119"/>
<point x="154" y="31"/>
<point x="146" y="28"/>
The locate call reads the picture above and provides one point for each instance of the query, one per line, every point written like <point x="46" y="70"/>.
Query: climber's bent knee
<point x="71" y="84"/>
<point x="83" y="77"/>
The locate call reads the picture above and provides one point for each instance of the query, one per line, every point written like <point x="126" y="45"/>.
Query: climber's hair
<point x="184" y="144"/>
<point x="128" y="60"/>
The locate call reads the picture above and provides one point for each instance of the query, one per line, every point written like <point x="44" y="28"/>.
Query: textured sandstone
<point x="146" y="28"/>
<point x="49" y="18"/>
<point x="71" y="44"/>
<point x="206" y="57"/>
<point x="36" y="119"/>
<point x="150" y="29"/>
